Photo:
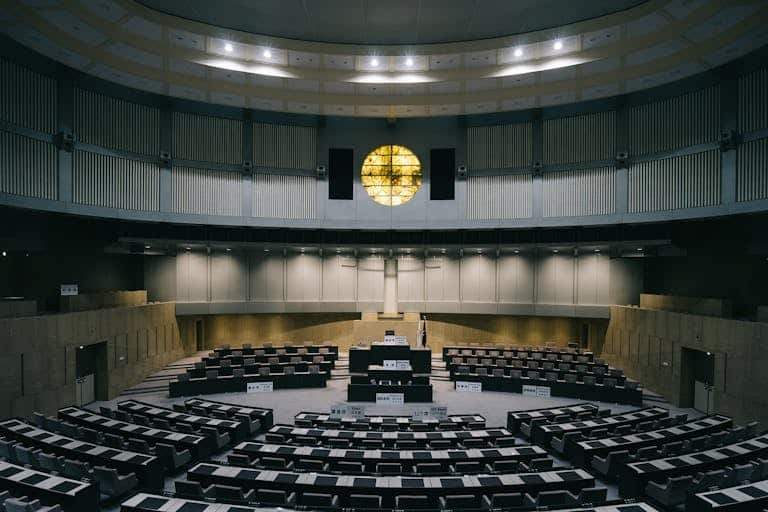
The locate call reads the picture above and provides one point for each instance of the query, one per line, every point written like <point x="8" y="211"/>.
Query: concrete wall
<point x="648" y="345"/>
<point x="88" y="301"/>
<point x="14" y="308"/>
<point x="445" y="329"/>
<point x="530" y="283"/>
<point x="37" y="366"/>
<point x="695" y="305"/>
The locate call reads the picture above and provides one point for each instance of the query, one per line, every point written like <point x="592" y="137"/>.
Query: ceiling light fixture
<point x="517" y="251"/>
<point x="519" y="52"/>
<point x="409" y="62"/>
<point x="597" y="250"/>
<point x="189" y="248"/>
<point x="640" y="249"/>
<point x="228" y="47"/>
<point x="229" y="250"/>
<point x="147" y="246"/>
<point x="558" y="45"/>
<point x="267" y="54"/>
<point x="375" y="62"/>
<point x="555" y="251"/>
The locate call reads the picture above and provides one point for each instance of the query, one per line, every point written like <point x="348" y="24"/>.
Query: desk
<point x="367" y="392"/>
<point x="72" y="495"/>
<point x="514" y="418"/>
<point x="144" y="502"/>
<point x="360" y="357"/>
<point x="239" y="384"/>
<point x="389" y="487"/>
<point x="461" y="421"/>
<point x="264" y="415"/>
<point x="636" y="475"/>
<point x="148" y="468"/>
<point x="742" y="498"/>
<point x="422" y="439"/>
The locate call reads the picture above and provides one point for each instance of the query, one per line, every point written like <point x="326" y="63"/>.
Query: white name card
<point x="390" y="398"/>
<point x="396" y="364"/>
<point x="539" y="391"/>
<point x="259" y="387"/>
<point x="69" y="289"/>
<point x="401" y="339"/>
<point x="355" y="411"/>
<point x="338" y="412"/>
<point x="390" y="364"/>
<point x="438" y="412"/>
<point x="469" y="387"/>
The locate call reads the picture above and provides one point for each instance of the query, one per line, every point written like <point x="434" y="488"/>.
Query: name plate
<point x="69" y="289"/>
<point x="438" y="412"/>
<point x="259" y="387"/>
<point x="469" y="387"/>
<point x="390" y="398"/>
<point x="396" y="364"/>
<point x="539" y="391"/>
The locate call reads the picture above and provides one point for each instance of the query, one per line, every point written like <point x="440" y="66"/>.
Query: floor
<point x="287" y="403"/>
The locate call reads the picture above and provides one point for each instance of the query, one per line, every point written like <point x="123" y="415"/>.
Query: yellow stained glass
<point x="391" y="175"/>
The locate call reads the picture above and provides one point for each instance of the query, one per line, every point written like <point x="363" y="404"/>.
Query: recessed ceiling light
<point x="267" y="54"/>
<point x="409" y="62"/>
<point x="519" y="52"/>
<point x="228" y="249"/>
<point x="597" y="250"/>
<point x="517" y="251"/>
<point x="189" y="248"/>
<point x="639" y="248"/>
<point x="374" y="62"/>
<point x="558" y="45"/>
<point x="5" y="254"/>
<point x="555" y="251"/>
<point x="147" y="246"/>
<point x="228" y="47"/>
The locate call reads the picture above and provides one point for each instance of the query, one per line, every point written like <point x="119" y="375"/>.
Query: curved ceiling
<point x="655" y="42"/>
<point x="389" y="22"/>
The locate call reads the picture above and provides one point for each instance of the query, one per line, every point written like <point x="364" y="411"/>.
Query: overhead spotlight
<point x="5" y="254"/>
<point x="267" y="54"/>
<point x="555" y="251"/>
<point x="375" y="62"/>
<point x="338" y="251"/>
<point x="147" y="246"/>
<point x="517" y="251"/>
<point x="229" y="250"/>
<point x="558" y="45"/>
<point x="228" y="47"/>
<point x="81" y="347"/>
<point x="597" y="250"/>
<point x="709" y="353"/>
<point x="189" y="248"/>
<point x="409" y="62"/>
<point x="518" y="52"/>
<point x="640" y="249"/>
<point x="443" y="251"/>
<point x="266" y="250"/>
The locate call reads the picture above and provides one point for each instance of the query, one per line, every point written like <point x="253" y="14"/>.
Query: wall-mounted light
<point x="189" y="248"/>
<point x="597" y="250"/>
<point x="267" y="54"/>
<point x="640" y="249"/>
<point x="374" y="62"/>
<point x="147" y="246"/>
<point x="409" y="62"/>
<point x="5" y="254"/>
<point x="228" y="47"/>
<point x="555" y="251"/>
<point x="518" y="52"/>
<point x="517" y="251"/>
<point x="558" y="45"/>
<point x="229" y="250"/>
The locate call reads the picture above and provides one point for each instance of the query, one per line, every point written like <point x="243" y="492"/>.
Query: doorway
<point x="584" y="335"/>
<point x="697" y="374"/>
<point x="199" y="336"/>
<point x="91" y="373"/>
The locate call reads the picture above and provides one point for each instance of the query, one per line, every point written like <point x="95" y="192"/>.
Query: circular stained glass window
<point x="391" y="175"/>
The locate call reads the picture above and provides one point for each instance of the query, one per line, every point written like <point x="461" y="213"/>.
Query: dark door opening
<point x="199" y="336"/>
<point x="584" y="336"/>
<point x="91" y="373"/>
<point x="697" y="379"/>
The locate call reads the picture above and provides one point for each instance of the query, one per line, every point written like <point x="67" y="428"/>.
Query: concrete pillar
<point x="390" y="285"/>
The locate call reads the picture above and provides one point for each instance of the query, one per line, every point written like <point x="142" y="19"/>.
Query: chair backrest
<point x="593" y="496"/>
<point x="589" y="380"/>
<point x="498" y="372"/>
<point x="550" y="498"/>
<point x="228" y="492"/>
<point x="264" y="370"/>
<point x="289" y="370"/>
<point x="238" y="372"/>
<point x="365" y="501"/>
<point x="406" y="501"/>
<point x="212" y="374"/>
<point x="314" y="369"/>
<point x="506" y="500"/>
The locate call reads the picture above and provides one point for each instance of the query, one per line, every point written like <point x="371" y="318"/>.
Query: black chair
<point x="363" y="501"/>
<point x="318" y="500"/>
<point x="413" y="501"/>
<point x="234" y="494"/>
<point x="276" y="497"/>
<point x="460" y="502"/>
<point x="193" y="490"/>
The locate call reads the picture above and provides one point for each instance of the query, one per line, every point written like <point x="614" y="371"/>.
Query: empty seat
<point x="611" y="464"/>
<point x="412" y="501"/>
<point x="220" y="439"/>
<point x="273" y="462"/>
<point x="429" y="468"/>
<point x="318" y="500"/>
<point x="51" y="463"/>
<point x="238" y="459"/>
<point x="171" y="458"/>
<point x="113" y="484"/>
<point x="473" y="443"/>
<point x="506" y="466"/>
<point x="466" y="467"/>
<point x="26" y="505"/>
<point x="193" y="490"/>
<point x="506" y="441"/>
<point x="138" y="445"/>
<point x="354" y="468"/>
<point x="459" y="502"/>
<point x="503" y="500"/>
<point x="230" y="493"/>
<point x="593" y="496"/>
<point x="76" y="469"/>
<point x="389" y="468"/>
<point x="540" y="464"/>
<point x="276" y="497"/>
<point x="365" y="501"/>
<point x="549" y="499"/>
<point x="309" y="465"/>
<point x="672" y="492"/>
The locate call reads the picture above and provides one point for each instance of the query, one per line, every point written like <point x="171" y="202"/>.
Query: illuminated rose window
<point x="391" y="175"/>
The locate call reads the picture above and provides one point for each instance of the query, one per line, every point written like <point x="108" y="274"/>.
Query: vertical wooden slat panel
<point x="206" y="192"/>
<point x="116" y="124"/>
<point x="284" y="197"/>
<point x="284" y="147"/>
<point x="207" y="139"/>
<point x="500" y="197"/>
<point x="500" y="147"/>
<point x="102" y="180"/>
<point x="753" y="101"/>
<point x="27" y="98"/>
<point x="687" y="181"/>
<point x="579" y="193"/>
<point x="584" y="138"/>
<point x="752" y="171"/>
<point x="27" y="167"/>
<point x="674" y="123"/>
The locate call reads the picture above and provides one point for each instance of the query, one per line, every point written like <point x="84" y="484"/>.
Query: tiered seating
<point x="229" y="370"/>
<point x="326" y="349"/>
<point x="152" y="502"/>
<point x="402" y="440"/>
<point x="72" y="495"/>
<point x="669" y="479"/>
<point x="595" y="453"/>
<point x="741" y="498"/>
<point x="542" y="433"/>
<point x="283" y="488"/>
<point x="175" y="449"/>
<point x="53" y="453"/>
<point x="518" y="352"/>
<point x="222" y="431"/>
<point x="399" y="462"/>
<point x="263" y="416"/>
<point x="516" y="419"/>
<point x="403" y="423"/>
